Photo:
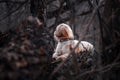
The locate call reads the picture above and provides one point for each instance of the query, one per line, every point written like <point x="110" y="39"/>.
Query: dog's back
<point x="64" y="48"/>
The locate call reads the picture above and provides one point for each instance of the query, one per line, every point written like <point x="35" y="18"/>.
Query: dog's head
<point x="63" y="31"/>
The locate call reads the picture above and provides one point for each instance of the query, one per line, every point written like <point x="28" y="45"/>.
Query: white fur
<point x="65" y="26"/>
<point x="63" y="48"/>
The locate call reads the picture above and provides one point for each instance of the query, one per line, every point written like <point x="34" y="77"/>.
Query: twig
<point x="14" y="11"/>
<point x="80" y="38"/>
<point x="102" y="70"/>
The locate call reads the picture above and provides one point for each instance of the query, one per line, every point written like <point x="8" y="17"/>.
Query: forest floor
<point x="26" y="53"/>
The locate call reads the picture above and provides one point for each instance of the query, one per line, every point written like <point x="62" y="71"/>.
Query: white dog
<point x="64" y="35"/>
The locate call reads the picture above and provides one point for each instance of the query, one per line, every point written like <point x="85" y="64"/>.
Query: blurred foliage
<point x="26" y="49"/>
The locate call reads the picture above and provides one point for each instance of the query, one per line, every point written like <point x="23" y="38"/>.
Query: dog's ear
<point x="65" y="33"/>
<point x="55" y="36"/>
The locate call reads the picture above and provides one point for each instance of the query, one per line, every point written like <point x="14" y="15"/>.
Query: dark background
<point x="26" y="48"/>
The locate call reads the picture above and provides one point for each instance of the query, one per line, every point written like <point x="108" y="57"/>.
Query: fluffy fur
<point x="63" y="31"/>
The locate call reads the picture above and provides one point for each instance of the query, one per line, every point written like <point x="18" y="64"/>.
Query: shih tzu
<point x="65" y="38"/>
